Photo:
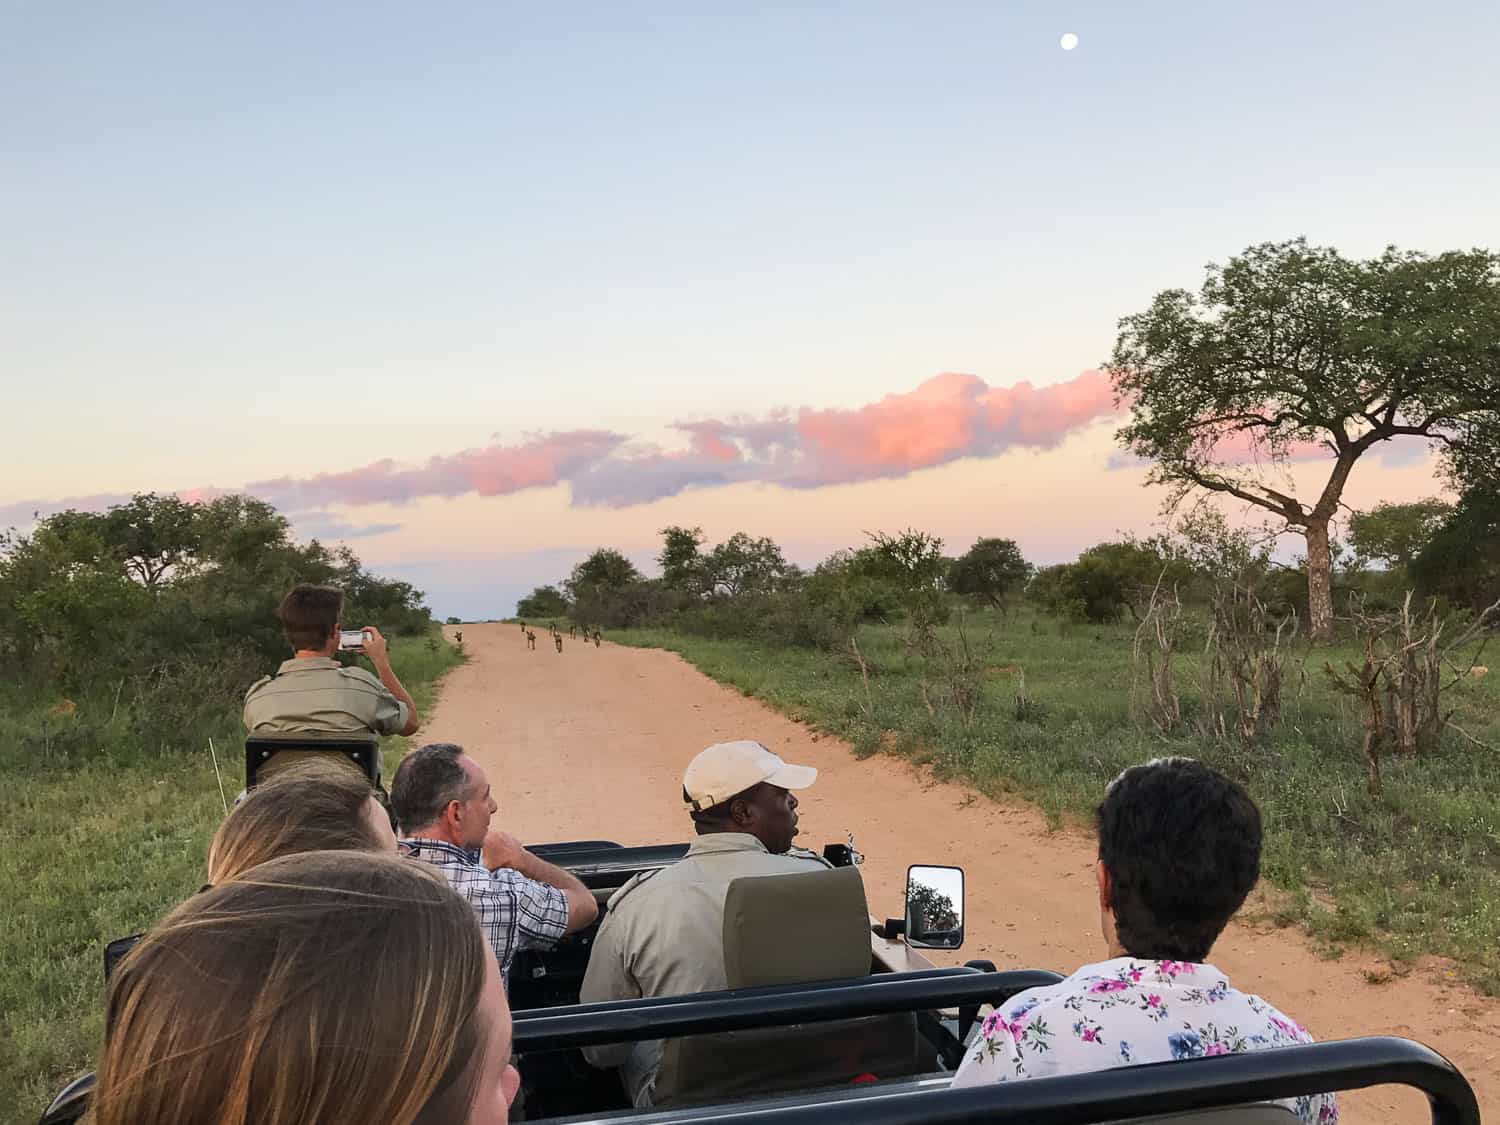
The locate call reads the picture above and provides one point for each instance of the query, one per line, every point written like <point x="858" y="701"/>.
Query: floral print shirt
<point x="1128" y="1011"/>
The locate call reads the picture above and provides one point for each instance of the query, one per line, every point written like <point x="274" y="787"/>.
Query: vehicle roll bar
<point x="625" y="1021"/>
<point x="1114" y="1095"/>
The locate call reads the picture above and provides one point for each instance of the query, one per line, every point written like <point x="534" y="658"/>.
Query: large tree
<point x="544" y="601"/>
<point x="1290" y="352"/>
<point x="744" y="565"/>
<point x="989" y="571"/>
<point x="680" y="560"/>
<point x="604" y="572"/>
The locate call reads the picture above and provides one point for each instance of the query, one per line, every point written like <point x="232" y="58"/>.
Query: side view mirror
<point x="934" y="907"/>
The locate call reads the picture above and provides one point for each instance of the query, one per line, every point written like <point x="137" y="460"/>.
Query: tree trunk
<point x="1319" y="582"/>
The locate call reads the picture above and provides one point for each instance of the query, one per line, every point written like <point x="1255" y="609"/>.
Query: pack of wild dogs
<point x="556" y="634"/>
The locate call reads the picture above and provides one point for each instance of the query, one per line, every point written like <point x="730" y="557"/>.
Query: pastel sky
<point x="480" y="287"/>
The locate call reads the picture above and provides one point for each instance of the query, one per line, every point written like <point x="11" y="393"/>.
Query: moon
<point x="1068" y="41"/>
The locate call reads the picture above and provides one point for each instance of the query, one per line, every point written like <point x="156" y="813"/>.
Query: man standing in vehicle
<point x="312" y="693"/>
<point x="444" y="805"/>
<point x="663" y="933"/>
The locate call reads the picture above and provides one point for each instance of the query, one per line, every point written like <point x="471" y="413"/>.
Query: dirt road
<point x="591" y="743"/>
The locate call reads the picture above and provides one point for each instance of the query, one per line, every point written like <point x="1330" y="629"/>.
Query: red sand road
<point x="591" y="743"/>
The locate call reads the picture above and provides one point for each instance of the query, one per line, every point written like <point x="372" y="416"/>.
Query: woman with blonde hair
<point x="331" y="988"/>
<point x="312" y="806"/>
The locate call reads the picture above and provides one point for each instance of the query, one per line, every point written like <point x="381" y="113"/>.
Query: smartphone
<point x="351" y="638"/>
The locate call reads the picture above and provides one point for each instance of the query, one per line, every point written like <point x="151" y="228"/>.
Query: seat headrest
<point x="789" y="929"/>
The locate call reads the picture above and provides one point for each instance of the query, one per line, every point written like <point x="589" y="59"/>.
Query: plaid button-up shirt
<point x="515" y="912"/>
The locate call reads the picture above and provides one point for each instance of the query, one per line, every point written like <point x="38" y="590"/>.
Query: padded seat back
<point x="789" y="929"/>
<point x="792" y="929"/>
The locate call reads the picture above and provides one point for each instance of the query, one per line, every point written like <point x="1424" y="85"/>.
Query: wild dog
<point x="530" y="640"/>
<point x="557" y="639"/>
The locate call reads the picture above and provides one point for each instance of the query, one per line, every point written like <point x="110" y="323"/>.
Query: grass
<point x="106" y="830"/>
<point x="1412" y="872"/>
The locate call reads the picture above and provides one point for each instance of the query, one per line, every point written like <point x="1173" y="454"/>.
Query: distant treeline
<point x="168" y="598"/>
<point x="746" y="587"/>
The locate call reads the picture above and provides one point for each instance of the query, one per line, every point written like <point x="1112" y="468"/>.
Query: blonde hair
<point x="334" y="987"/>
<point x="309" y="806"/>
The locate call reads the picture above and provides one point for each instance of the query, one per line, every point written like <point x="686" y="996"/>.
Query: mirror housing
<point x="934" y="907"/>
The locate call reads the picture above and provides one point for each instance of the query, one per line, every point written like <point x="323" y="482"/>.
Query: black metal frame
<point x="363" y="752"/>
<point x="1078" y="1099"/>
<point x="624" y="1021"/>
<point x="1113" y="1095"/>
<point x="604" y="865"/>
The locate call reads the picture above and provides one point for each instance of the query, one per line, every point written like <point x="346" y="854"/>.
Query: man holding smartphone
<point x="312" y="693"/>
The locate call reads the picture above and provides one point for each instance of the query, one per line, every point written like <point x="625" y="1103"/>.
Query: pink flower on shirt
<point x="1288" y="1027"/>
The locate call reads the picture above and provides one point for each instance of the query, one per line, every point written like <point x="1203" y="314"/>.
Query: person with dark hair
<point x="443" y="804"/>
<point x="1179" y="851"/>
<point x="664" y="932"/>
<point x="312" y="693"/>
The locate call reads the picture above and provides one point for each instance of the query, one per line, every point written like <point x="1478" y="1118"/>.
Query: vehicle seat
<point x="792" y="929"/>
<point x="265" y="754"/>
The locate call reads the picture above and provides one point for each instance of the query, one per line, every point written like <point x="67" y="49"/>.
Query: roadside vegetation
<point x="1413" y="870"/>
<point x="119" y="674"/>
<point x="1376" y="758"/>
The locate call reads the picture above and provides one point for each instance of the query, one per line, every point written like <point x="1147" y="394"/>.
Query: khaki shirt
<point x="663" y="935"/>
<point x="318" y="695"/>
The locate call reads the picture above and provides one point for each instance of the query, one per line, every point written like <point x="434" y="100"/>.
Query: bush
<point x="1462" y="561"/>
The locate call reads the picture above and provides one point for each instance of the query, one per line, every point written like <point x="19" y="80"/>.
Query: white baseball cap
<point x="726" y="769"/>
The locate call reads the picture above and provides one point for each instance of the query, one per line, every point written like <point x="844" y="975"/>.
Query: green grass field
<point x="103" y="835"/>
<point x="1415" y="871"/>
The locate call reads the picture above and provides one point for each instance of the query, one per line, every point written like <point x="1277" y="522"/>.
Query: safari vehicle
<point x="791" y="942"/>
<point x="830" y="1017"/>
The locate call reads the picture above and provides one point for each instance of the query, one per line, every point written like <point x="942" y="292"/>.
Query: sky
<point x="479" y="287"/>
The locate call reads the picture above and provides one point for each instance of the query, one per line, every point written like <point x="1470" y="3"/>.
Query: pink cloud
<point x="493" y="470"/>
<point x="946" y="418"/>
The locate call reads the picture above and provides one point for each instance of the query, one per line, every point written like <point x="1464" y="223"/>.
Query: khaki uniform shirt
<point x="318" y="695"/>
<point x="663" y="935"/>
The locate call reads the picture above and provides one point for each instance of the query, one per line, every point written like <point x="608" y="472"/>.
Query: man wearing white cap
<point x="663" y="934"/>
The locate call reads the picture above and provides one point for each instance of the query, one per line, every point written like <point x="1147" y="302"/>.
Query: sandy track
<point x="592" y="743"/>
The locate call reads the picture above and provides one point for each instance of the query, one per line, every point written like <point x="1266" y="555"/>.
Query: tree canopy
<point x="744" y="565"/>
<point x="160" y="583"/>
<point x="680" y="560"/>
<point x="544" y="601"/>
<point x="1395" y="534"/>
<point x="1291" y="352"/>
<point x="1461" y="561"/>
<point x="990" y="571"/>
<point x="603" y="571"/>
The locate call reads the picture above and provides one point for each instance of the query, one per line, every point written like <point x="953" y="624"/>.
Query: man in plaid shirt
<point x="442" y="800"/>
